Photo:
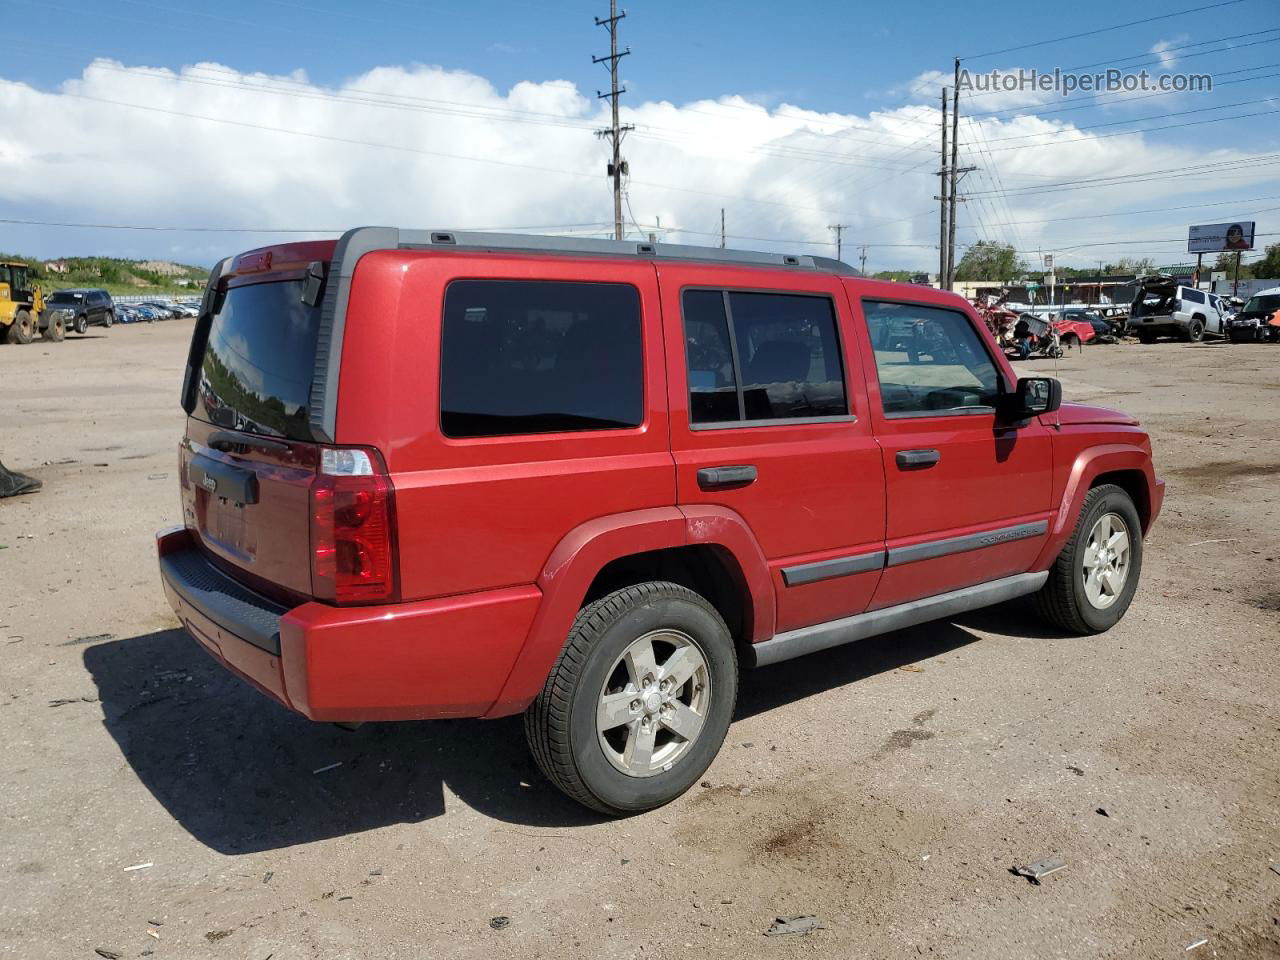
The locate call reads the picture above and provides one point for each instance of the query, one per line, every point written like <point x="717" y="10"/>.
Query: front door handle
<point x="917" y="459"/>
<point x="723" y="478"/>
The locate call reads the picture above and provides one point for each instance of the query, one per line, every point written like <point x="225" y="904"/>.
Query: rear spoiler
<point x="208" y="307"/>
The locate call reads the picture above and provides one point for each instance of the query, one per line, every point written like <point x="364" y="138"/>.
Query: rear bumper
<point x="425" y="659"/>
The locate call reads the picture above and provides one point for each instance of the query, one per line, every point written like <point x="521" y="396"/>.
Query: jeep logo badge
<point x="209" y="483"/>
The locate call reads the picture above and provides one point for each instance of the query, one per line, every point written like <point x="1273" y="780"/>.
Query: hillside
<point x="116" y="275"/>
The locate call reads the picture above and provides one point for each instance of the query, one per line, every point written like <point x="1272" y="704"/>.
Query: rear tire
<point x="55" y="330"/>
<point x="640" y="664"/>
<point x="109" y="319"/>
<point x="1146" y="337"/>
<point x="1195" y="332"/>
<point x="1093" y="581"/>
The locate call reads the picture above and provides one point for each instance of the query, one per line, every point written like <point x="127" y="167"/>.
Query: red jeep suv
<point x="439" y="474"/>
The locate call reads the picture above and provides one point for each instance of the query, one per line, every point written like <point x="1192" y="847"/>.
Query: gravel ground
<point x="154" y="805"/>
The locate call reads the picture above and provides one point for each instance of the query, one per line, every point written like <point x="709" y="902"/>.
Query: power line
<point x="1093" y="33"/>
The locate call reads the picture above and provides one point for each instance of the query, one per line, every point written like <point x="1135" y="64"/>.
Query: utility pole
<point x="942" y="198"/>
<point x="722" y="228"/>
<point x="839" y="229"/>
<point x="863" y="260"/>
<point x="615" y="132"/>
<point x="952" y="172"/>
<point x="955" y="179"/>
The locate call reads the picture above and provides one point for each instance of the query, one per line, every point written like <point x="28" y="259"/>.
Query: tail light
<point x="353" y="541"/>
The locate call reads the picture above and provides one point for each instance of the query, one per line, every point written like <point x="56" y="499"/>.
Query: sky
<point x="244" y="123"/>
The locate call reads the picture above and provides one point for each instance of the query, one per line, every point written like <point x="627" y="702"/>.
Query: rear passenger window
<point x="761" y="356"/>
<point x="520" y="357"/>
<point x="930" y="361"/>
<point x="1195" y="296"/>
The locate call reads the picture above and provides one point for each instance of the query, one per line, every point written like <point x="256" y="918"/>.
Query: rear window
<point x="540" y="356"/>
<point x="259" y="360"/>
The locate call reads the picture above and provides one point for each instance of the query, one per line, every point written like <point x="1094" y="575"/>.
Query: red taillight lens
<point x="353" y="548"/>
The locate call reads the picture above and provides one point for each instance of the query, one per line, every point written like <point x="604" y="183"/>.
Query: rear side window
<point x="1195" y="296"/>
<point x="756" y="357"/>
<point x="523" y="357"/>
<point x="259" y="361"/>
<point x="930" y="361"/>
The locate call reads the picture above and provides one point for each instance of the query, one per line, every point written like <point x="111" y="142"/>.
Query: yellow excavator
<point x="21" y="306"/>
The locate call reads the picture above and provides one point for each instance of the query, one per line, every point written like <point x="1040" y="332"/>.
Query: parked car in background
<point x="164" y="311"/>
<point x="437" y="474"/>
<point x="147" y="312"/>
<point x="186" y="309"/>
<point x="81" y="309"/>
<point x="1256" y="321"/>
<point x="1164" y="307"/>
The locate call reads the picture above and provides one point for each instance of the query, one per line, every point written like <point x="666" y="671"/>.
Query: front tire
<point x="22" y="329"/>
<point x="639" y="702"/>
<point x="1146" y="337"/>
<point x="55" y="330"/>
<point x="1093" y="581"/>
<point x="1195" y="333"/>
<point x="81" y="325"/>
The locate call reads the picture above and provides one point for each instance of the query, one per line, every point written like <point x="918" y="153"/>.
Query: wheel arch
<point x="709" y="550"/>
<point x="1128" y="466"/>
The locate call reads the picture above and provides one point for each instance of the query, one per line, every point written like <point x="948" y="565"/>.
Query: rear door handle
<point x="721" y="478"/>
<point x="915" y="459"/>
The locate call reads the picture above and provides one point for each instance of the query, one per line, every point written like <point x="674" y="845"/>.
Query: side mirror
<point x="1034" y="396"/>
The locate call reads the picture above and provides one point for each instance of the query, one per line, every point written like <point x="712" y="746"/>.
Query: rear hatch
<point x="249" y="457"/>
<point x="1156" y="297"/>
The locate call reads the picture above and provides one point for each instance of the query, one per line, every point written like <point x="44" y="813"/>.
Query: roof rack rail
<point x="370" y="238"/>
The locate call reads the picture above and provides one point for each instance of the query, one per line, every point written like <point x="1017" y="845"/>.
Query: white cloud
<point x="1168" y="60"/>
<point x="449" y="153"/>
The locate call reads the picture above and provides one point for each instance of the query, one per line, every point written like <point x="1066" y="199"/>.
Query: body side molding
<point x="796" y="643"/>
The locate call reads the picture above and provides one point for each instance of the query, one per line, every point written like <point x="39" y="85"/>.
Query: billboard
<point x="1217" y="237"/>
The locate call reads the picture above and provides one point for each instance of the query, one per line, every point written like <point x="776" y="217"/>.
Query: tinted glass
<point x="259" y="361"/>
<point x="1262" y="304"/>
<point x="1195" y="296"/>
<point x="788" y="357"/>
<point x="713" y="386"/>
<point x="67" y="298"/>
<point x="929" y="360"/>
<point x="524" y="357"/>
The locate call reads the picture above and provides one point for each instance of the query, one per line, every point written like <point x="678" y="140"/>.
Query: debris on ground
<point x="744" y="791"/>
<point x="1103" y="811"/>
<point x="1275" y="867"/>
<point x="375" y="872"/>
<point x="91" y="638"/>
<point x="266" y="877"/>
<point x="152" y="932"/>
<point x="63" y="701"/>
<point x="332" y="766"/>
<point x="1039" y="869"/>
<point x="1199" y="943"/>
<point x="499" y="923"/>
<point x="139" y="866"/>
<point x="213" y="936"/>
<point x="911" y="668"/>
<point x="107" y="953"/>
<point x="793" y="926"/>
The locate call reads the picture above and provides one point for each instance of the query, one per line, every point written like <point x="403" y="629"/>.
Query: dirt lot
<point x="887" y="788"/>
